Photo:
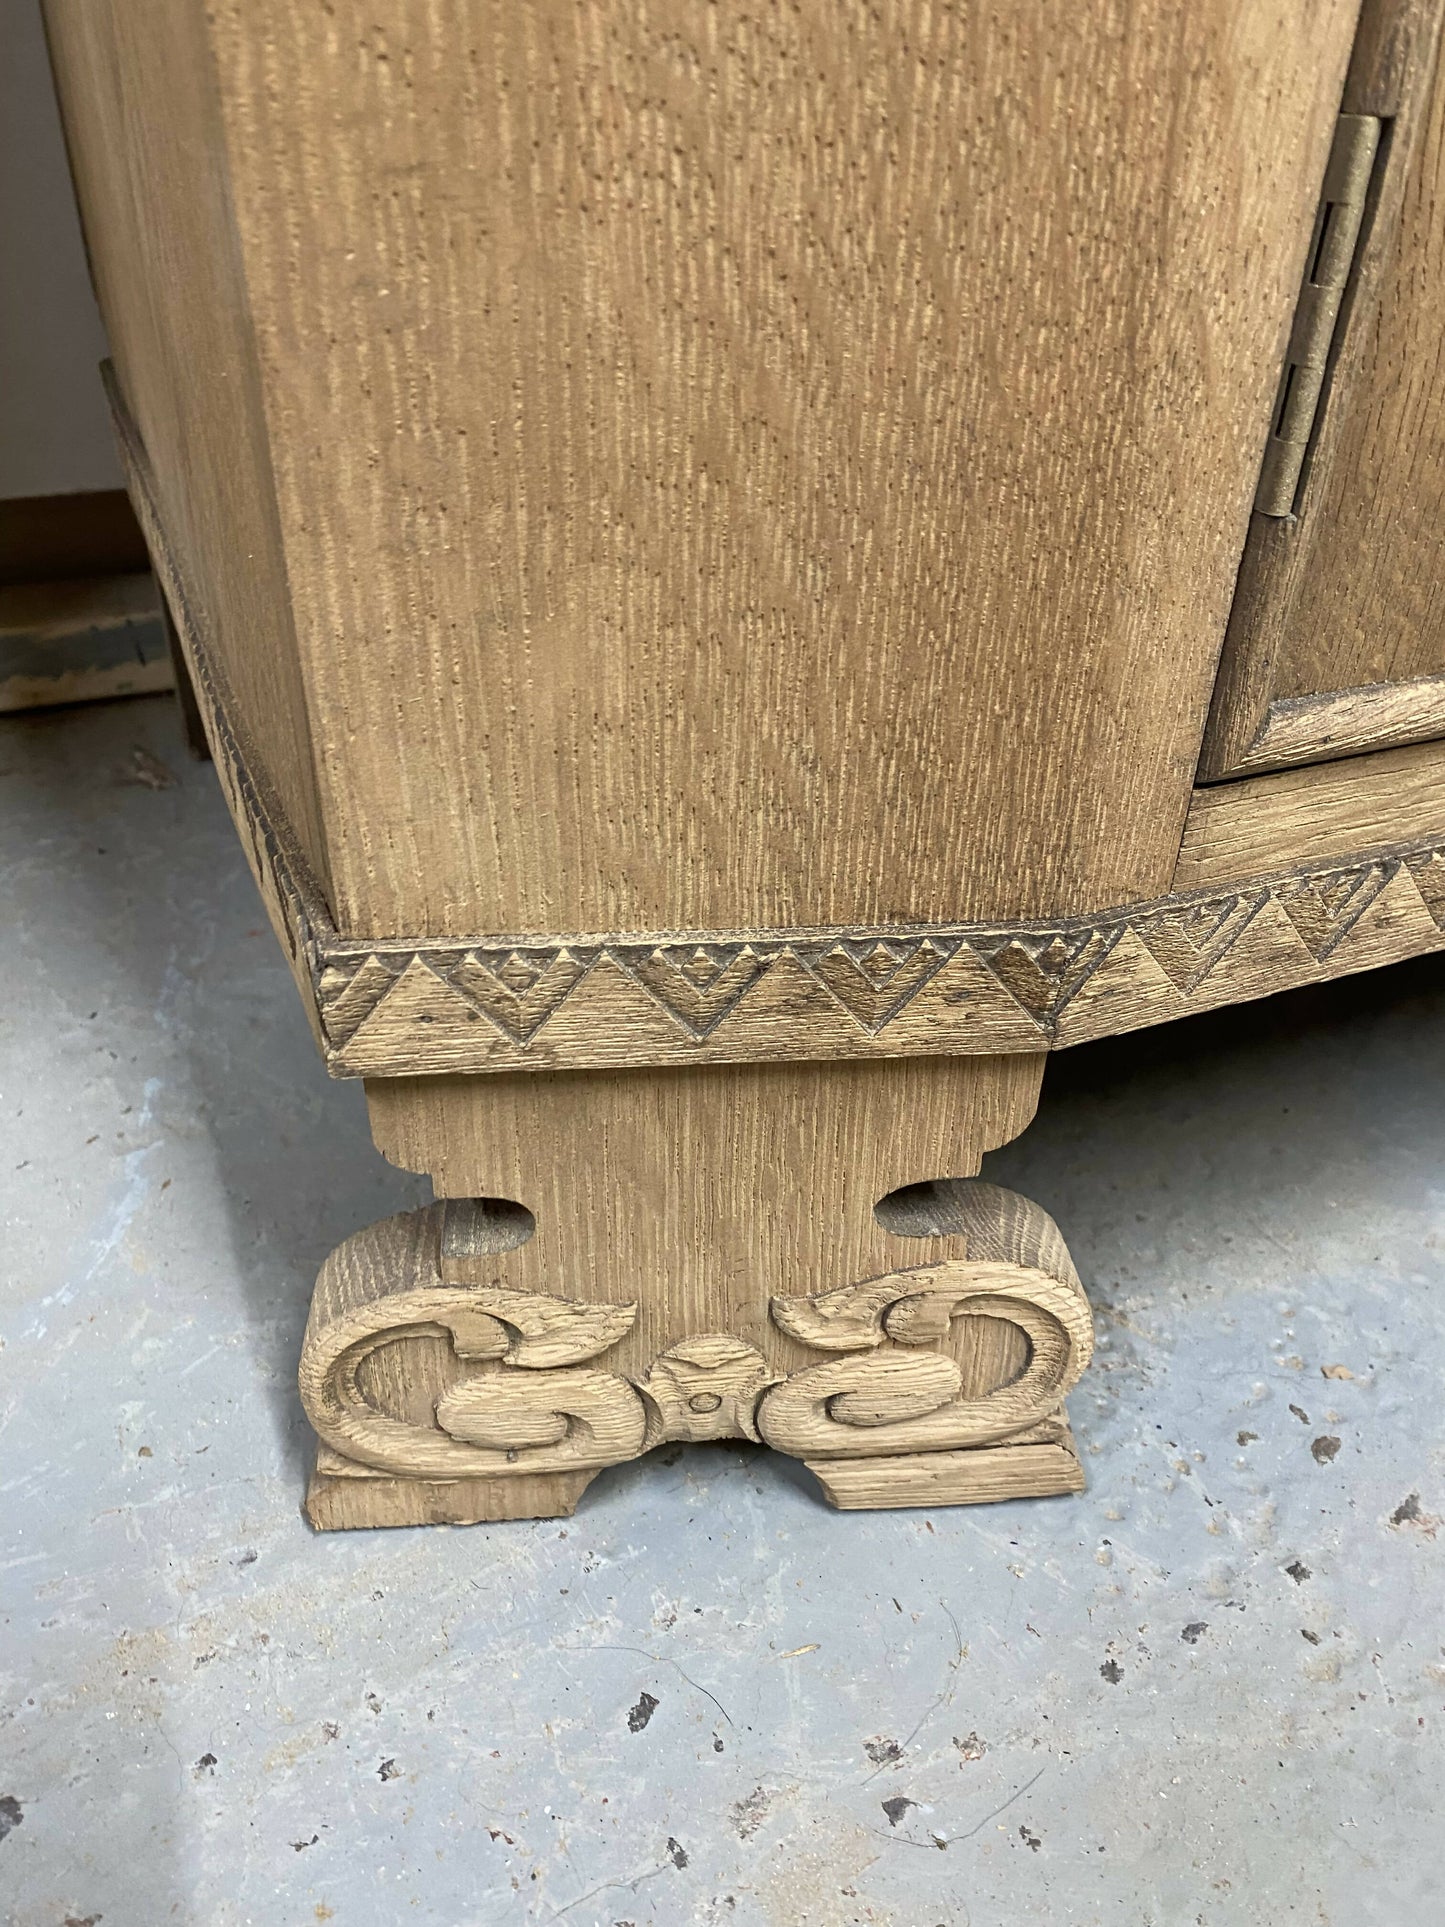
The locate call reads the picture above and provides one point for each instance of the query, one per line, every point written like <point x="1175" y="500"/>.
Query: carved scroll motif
<point x="499" y="1419"/>
<point x="527" y="1404"/>
<point x="910" y="1401"/>
<point x="406" y="1373"/>
<point x="545" y="1421"/>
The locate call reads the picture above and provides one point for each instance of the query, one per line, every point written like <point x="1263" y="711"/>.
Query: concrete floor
<point x="1212" y="1690"/>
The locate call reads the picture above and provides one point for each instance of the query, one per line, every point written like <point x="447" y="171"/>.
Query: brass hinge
<point x="1332" y="253"/>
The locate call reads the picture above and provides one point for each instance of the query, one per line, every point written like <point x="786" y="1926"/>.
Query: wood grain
<point x="143" y="120"/>
<point x="968" y="989"/>
<point x="1281" y="880"/>
<point x="1347" y="598"/>
<point x="343" y="1496"/>
<point x="972" y="1340"/>
<point x="1348" y="722"/>
<point x="904" y="1399"/>
<point x="704" y="1193"/>
<point x="985" y="1476"/>
<point x="1328" y="814"/>
<point x="717" y="458"/>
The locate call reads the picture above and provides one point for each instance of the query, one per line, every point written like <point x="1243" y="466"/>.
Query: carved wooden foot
<point x="689" y="1256"/>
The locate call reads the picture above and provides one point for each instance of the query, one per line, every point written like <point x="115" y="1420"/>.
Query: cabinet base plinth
<point x="616" y="1263"/>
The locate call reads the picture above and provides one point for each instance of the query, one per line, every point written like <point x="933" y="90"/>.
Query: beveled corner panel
<point x="1300" y="877"/>
<point x="764" y="469"/>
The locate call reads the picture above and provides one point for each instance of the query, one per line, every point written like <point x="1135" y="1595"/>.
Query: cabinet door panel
<point x="1337" y="638"/>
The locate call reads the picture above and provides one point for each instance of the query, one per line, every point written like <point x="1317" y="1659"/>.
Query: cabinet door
<point x="1337" y="637"/>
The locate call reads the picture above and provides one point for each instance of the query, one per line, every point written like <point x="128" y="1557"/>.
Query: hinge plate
<point x="1331" y="256"/>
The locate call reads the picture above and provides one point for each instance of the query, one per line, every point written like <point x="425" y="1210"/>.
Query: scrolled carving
<point x="409" y="1373"/>
<point x="528" y="1406"/>
<point x="911" y="1401"/>
<point x="905" y="1399"/>
<point x="497" y="1420"/>
<point x="550" y="1419"/>
<point x="847" y="1319"/>
<point x="916" y="1307"/>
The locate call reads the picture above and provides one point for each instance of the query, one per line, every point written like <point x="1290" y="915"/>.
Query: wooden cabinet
<point x="704" y="540"/>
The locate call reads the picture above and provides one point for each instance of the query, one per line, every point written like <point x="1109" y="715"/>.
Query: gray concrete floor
<point x="1212" y="1690"/>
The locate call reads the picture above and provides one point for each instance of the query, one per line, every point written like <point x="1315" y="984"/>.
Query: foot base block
<point x="983" y="1475"/>
<point x="344" y="1496"/>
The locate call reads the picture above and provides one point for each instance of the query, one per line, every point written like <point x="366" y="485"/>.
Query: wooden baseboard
<point x="346" y="1497"/>
<point x="985" y="1476"/>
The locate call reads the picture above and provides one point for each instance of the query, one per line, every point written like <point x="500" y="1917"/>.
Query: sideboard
<point x="750" y="571"/>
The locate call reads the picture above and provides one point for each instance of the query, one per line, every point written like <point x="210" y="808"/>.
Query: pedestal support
<point x="793" y="1253"/>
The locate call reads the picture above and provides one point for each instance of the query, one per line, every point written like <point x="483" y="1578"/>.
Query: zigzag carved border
<point x="390" y="1009"/>
<point x="394" y="1007"/>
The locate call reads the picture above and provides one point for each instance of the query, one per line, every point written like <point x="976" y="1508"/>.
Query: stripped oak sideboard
<point x="749" y="572"/>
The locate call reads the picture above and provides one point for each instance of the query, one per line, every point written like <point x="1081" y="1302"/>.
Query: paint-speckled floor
<point x="1212" y="1690"/>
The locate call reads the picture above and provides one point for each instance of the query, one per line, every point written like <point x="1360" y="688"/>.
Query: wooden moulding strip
<point x="292" y="896"/>
<point x="1347" y="722"/>
<point x="1330" y="813"/>
<point x="399" y="1007"/>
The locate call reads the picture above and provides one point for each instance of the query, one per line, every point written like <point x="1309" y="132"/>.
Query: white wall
<point x="54" y="426"/>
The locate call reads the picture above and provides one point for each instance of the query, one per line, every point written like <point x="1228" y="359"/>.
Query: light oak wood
<point x="141" y="103"/>
<point x="643" y="464"/>
<point x="1337" y="639"/>
<point x="669" y="1187"/>
<point x="1325" y="816"/>
<point x="1280" y="881"/>
<point x="702" y="541"/>
<point x="1040" y="1470"/>
<point x="1239" y="933"/>
<point x="344" y="1496"/>
<point x="729" y="1203"/>
<point x="1348" y="722"/>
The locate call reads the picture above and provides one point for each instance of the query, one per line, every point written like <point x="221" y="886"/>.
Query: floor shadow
<point x="1194" y="1132"/>
<point x="159" y="922"/>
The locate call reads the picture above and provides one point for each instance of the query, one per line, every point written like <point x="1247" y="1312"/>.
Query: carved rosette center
<point x="705" y="1388"/>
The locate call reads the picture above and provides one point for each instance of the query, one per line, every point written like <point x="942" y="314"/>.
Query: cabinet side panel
<point x="140" y="107"/>
<point x="753" y="468"/>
